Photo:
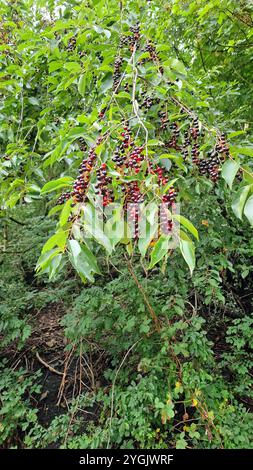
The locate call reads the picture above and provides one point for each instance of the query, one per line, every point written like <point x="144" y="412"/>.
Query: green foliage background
<point x="188" y="385"/>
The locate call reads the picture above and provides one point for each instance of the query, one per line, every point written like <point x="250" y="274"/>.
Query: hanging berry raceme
<point x="102" y="188"/>
<point x="83" y="145"/>
<point x="63" y="198"/>
<point x="195" y="153"/>
<point x="194" y="130"/>
<point x="81" y="183"/>
<point x="124" y="143"/>
<point x="168" y="200"/>
<point x="148" y="102"/>
<point x="164" y="120"/>
<point x="170" y="196"/>
<point x="71" y="44"/>
<point x="131" y="40"/>
<point x="116" y="73"/>
<point x="159" y="172"/>
<point x="135" y="159"/>
<point x="124" y="41"/>
<point x="133" y="197"/>
<point x="153" y="55"/>
<point x="173" y="142"/>
<point x="135" y="37"/>
<point x="222" y="146"/>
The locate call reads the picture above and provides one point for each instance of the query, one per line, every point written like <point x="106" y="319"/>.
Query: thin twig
<point x="52" y="369"/>
<point x="61" y="388"/>
<point x="152" y="313"/>
<point x="113" y="387"/>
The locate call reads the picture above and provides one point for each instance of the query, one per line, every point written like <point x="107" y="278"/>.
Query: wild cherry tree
<point x="103" y="121"/>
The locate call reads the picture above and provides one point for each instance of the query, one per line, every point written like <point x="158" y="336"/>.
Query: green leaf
<point x="75" y="248"/>
<point x="147" y="233"/>
<point x="169" y="184"/>
<point x="229" y="170"/>
<point x="45" y="259"/>
<point x="82" y="84"/>
<point x="57" y="184"/>
<point x="54" y="65"/>
<point x="55" y="266"/>
<point x="65" y="213"/>
<point x="177" y="159"/>
<point x="124" y="94"/>
<point x="187" y="224"/>
<point x="73" y="66"/>
<point x="240" y="200"/>
<point x="107" y="84"/>
<point x="160" y="250"/>
<point x="242" y="150"/>
<point x="94" y="226"/>
<point x="155" y="142"/>
<point x="58" y="239"/>
<point x="235" y="134"/>
<point x="54" y="210"/>
<point x="115" y="226"/>
<point x="34" y="101"/>
<point x="247" y="174"/>
<point x="188" y="251"/>
<point x="248" y="210"/>
<point x="178" y="66"/>
<point x="82" y="260"/>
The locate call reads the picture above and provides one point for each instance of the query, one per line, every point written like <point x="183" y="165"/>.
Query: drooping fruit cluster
<point x="185" y="145"/>
<point x="81" y="184"/>
<point x="153" y="55"/>
<point x="131" y="40"/>
<point x="148" y="101"/>
<point x="101" y="187"/>
<point x="135" y="37"/>
<point x="71" y="44"/>
<point x="194" y="130"/>
<point x="168" y="199"/>
<point x="83" y="145"/>
<point x="157" y="170"/>
<point x="210" y="165"/>
<point x="64" y="197"/>
<point x="195" y="153"/>
<point x="101" y="114"/>
<point x="173" y="142"/>
<point x="133" y="197"/>
<point x="222" y="146"/>
<point x="116" y="72"/>
<point x="163" y="115"/>
<point x="135" y="159"/>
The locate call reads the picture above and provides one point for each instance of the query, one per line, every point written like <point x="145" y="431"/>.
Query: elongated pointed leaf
<point x="57" y="184"/>
<point x="240" y="200"/>
<point x="248" y="210"/>
<point x="188" y="251"/>
<point x="82" y="84"/>
<point x="146" y="235"/>
<point x="65" y="213"/>
<point x="229" y="170"/>
<point x="187" y="224"/>
<point x="83" y="260"/>
<point x="242" y="150"/>
<point x="159" y="251"/>
<point x="58" y="239"/>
